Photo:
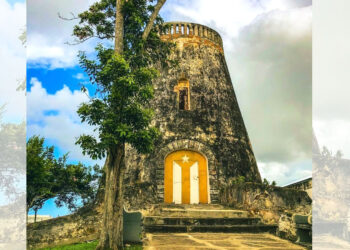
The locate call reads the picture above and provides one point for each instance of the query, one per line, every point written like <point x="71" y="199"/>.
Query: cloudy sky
<point x="331" y="88"/>
<point x="12" y="59"/>
<point x="268" y="50"/>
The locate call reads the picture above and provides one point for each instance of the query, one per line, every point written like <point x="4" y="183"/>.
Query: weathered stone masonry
<point x="213" y="126"/>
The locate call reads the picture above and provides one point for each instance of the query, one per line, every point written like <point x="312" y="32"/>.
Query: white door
<point x="177" y="183"/>
<point x="194" y="186"/>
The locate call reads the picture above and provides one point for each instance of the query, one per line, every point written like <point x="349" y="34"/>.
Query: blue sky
<point x="12" y="2"/>
<point x="60" y="77"/>
<point x="54" y="77"/>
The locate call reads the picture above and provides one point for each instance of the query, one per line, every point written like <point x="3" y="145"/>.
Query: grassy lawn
<point x="88" y="246"/>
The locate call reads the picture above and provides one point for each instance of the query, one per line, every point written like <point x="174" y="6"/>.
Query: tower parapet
<point x="192" y="32"/>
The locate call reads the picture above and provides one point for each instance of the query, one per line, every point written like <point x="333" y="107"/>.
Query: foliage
<point x="99" y="22"/>
<point x="266" y="183"/>
<point x="12" y="190"/>
<point x="328" y="159"/>
<point x="330" y="175"/>
<point x="48" y="177"/>
<point x="12" y="159"/>
<point x="238" y="180"/>
<point x="119" y="110"/>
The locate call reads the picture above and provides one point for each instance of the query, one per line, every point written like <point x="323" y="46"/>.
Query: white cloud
<point x="225" y="16"/>
<point x="283" y="173"/>
<point x="64" y="101"/>
<point x="271" y="67"/>
<point x="12" y="60"/>
<point x="79" y="76"/>
<point x="334" y="134"/>
<point x="48" y="35"/>
<point x="54" y="117"/>
<point x="331" y="86"/>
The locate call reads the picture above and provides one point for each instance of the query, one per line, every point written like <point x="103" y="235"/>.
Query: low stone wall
<point x="268" y="202"/>
<point x="286" y="227"/>
<point x="78" y="227"/>
<point x="275" y="205"/>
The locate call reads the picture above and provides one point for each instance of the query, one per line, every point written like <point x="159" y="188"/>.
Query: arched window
<point x="183" y="99"/>
<point x="183" y="93"/>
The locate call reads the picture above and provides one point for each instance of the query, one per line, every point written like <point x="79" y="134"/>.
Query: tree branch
<point x="149" y="25"/>
<point x="68" y="19"/>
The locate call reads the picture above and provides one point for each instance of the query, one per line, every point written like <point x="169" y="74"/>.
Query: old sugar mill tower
<point x="204" y="140"/>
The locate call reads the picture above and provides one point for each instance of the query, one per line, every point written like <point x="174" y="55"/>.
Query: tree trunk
<point x="35" y="212"/>
<point x="149" y="25"/>
<point x="119" y="28"/>
<point x="111" y="236"/>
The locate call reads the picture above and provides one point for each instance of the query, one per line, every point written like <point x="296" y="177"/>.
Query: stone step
<point x="187" y="206"/>
<point x="211" y="228"/>
<point x="160" y="220"/>
<point x="200" y="213"/>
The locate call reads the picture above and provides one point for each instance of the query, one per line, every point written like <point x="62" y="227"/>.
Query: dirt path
<point x="242" y="241"/>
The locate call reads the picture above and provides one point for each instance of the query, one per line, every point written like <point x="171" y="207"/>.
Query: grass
<point x="88" y="246"/>
<point x="80" y="246"/>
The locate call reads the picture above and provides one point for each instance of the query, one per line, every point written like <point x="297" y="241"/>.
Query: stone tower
<point x="204" y="140"/>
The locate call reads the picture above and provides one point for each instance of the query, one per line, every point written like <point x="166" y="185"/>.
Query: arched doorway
<point x="186" y="178"/>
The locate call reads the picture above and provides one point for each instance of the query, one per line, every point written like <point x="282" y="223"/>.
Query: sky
<point x="331" y="88"/>
<point x="13" y="60"/>
<point x="268" y="50"/>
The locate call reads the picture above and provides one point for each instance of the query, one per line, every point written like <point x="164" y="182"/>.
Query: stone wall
<point x="213" y="126"/>
<point x="268" y="202"/>
<point x="305" y="185"/>
<point x="78" y="227"/>
<point x="275" y="205"/>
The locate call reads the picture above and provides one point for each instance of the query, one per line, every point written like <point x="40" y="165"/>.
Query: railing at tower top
<point x="184" y="29"/>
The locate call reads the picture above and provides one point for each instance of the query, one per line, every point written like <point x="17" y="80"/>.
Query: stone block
<point x="180" y="144"/>
<point x="170" y="147"/>
<point x="214" y="191"/>
<point x="176" y="145"/>
<point x="191" y="144"/>
<point x="186" y="144"/>
<point x="196" y="145"/>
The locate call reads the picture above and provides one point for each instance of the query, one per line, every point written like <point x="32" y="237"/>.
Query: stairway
<point x="202" y="218"/>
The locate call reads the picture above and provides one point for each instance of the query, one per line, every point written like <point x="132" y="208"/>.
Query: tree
<point x="119" y="110"/>
<point x="12" y="160"/>
<point x="266" y="182"/>
<point x="48" y="177"/>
